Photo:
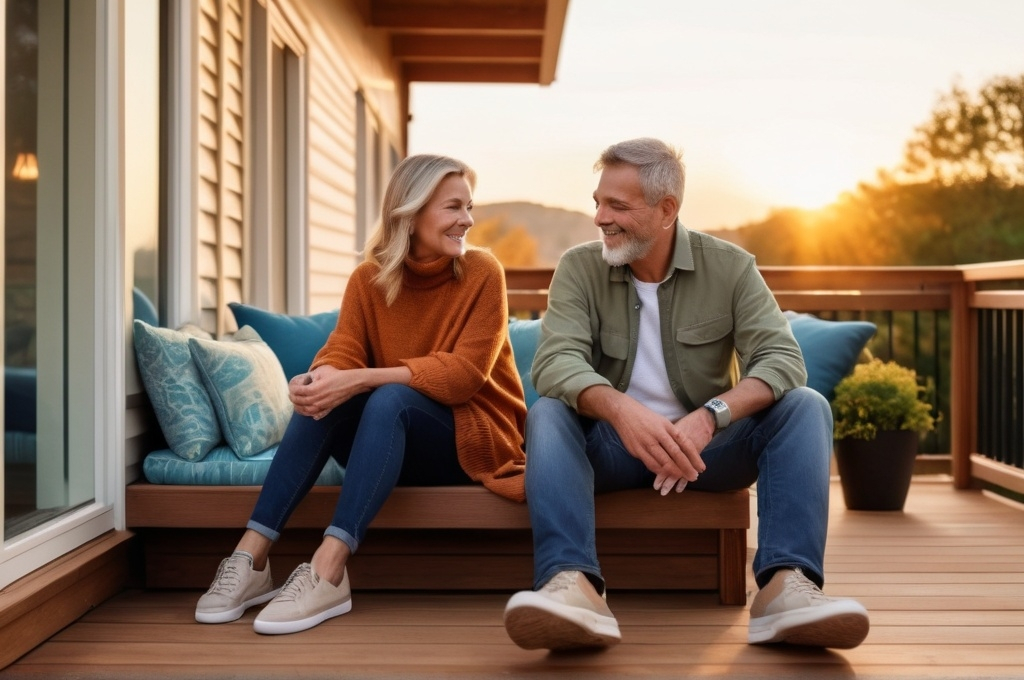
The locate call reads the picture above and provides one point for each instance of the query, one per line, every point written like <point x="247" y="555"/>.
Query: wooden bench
<point x="452" y="538"/>
<point x="455" y="537"/>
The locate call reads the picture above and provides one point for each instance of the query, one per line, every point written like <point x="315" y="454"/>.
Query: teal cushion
<point x="182" y="407"/>
<point x="19" y="447"/>
<point x="143" y="308"/>
<point x="222" y="467"/>
<point x="525" y="336"/>
<point x="830" y="348"/>
<point x="295" y="340"/>
<point x="247" y="388"/>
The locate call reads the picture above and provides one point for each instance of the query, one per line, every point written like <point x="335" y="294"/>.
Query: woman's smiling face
<point x="440" y="227"/>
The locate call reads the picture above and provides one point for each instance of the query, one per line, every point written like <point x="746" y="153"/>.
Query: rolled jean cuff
<point x="343" y="536"/>
<point x="264" y="531"/>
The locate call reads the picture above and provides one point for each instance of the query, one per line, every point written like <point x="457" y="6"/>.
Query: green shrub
<point x="880" y="396"/>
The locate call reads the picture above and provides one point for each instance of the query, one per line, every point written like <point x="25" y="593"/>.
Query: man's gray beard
<point x="631" y="251"/>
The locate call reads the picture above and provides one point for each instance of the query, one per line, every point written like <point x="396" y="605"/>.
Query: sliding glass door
<point x="59" y="316"/>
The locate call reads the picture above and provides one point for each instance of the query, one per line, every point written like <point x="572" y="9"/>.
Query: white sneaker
<point x="236" y="587"/>
<point x="306" y="600"/>
<point x="792" y="609"/>
<point x="567" y="613"/>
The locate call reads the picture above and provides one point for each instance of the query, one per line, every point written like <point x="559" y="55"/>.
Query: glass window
<point x="39" y="483"/>
<point x="142" y="154"/>
<point x="62" y="225"/>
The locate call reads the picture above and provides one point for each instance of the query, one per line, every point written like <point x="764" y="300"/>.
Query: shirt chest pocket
<point x="614" y="353"/>
<point x="614" y="345"/>
<point x="705" y="350"/>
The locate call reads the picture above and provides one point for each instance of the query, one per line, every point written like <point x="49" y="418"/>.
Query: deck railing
<point x="994" y="302"/>
<point x="961" y="328"/>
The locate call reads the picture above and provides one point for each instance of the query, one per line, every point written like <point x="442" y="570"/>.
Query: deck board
<point x="944" y="582"/>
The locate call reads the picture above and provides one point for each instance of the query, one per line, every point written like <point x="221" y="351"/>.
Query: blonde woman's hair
<point x="409" y="189"/>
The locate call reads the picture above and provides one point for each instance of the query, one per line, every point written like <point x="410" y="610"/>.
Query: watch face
<point x="721" y="411"/>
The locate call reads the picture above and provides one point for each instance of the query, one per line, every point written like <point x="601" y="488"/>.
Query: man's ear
<point x="669" y="208"/>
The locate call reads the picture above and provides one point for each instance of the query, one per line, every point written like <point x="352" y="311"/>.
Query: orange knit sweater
<point x="453" y="336"/>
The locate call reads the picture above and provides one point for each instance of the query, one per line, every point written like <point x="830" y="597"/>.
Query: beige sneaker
<point x="567" y="613"/>
<point x="306" y="600"/>
<point x="236" y="587"/>
<point x="791" y="608"/>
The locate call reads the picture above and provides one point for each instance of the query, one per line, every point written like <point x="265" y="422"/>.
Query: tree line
<point x="956" y="197"/>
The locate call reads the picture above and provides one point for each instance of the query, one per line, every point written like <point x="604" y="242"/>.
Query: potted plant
<point x="879" y="415"/>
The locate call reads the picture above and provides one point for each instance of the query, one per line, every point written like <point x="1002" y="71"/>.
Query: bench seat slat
<point x="458" y="507"/>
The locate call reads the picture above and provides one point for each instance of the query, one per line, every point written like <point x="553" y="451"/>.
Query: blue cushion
<point x="525" y="336"/>
<point x="222" y="467"/>
<point x="830" y="348"/>
<point x="20" y="398"/>
<point x="295" y="340"/>
<point x="143" y="308"/>
<point x="247" y="388"/>
<point x="19" y="447"/>
<point x="182" y="407"/>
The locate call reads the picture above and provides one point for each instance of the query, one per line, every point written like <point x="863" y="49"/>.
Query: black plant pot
<point x="875" y="475"/>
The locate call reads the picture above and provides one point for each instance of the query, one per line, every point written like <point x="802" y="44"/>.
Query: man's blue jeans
<point x="391" y="436"/>
<point x="785" y="448"/>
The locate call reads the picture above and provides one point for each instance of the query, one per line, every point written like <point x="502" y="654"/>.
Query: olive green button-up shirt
<point x="719" y="322"/>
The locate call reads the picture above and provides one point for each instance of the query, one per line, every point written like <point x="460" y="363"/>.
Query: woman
<point x="415" y="385"/>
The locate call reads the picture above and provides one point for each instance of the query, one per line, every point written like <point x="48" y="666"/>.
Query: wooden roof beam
<point x="437" y="48"/>
<point x="470" y="72"/>
<point x="447" y="18"/>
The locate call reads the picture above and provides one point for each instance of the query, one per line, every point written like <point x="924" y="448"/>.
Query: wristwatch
<point x="720" y="410"/>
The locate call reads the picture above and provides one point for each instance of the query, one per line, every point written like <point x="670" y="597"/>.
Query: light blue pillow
<point x="830" y="348"/>
<point x="182" y="407"/>
<point x="295" y="340"/>
<point x="221" y="467"/>
<point x="247" y="387"/>
<point x="525" y="336"/>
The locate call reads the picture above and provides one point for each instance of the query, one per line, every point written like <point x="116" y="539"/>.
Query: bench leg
<point x="732" y="566"/>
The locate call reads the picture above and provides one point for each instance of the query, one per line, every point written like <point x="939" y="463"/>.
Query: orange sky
<point x="781" y="103"/>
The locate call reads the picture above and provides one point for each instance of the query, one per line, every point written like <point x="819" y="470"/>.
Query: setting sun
<point x="790" y="104"/>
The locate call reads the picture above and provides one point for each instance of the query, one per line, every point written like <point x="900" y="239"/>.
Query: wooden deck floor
<point x="944" y="582"/>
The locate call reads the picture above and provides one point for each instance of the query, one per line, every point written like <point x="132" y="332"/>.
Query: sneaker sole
<point x="299" y="625"/>
<point x="841" y="625"/>
<point x="229" y="615"/>
<point x="535" y="623"/>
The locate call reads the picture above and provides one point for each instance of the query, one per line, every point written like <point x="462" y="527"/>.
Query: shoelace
<point x="801" y="584"/>
<point x="227" y="578"/>
<point x="563" y="580"/>
<point x="300" y="579"/>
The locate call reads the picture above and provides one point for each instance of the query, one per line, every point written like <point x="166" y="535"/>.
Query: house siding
<point x="343" y="62"/>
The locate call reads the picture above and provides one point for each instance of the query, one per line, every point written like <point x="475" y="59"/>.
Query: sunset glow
<point x="774" y="104"/>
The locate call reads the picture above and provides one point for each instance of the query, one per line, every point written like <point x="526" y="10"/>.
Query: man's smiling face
<point x="629" y="227"/>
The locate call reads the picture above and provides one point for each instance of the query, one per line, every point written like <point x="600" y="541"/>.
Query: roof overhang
<point x="472" y="41"/>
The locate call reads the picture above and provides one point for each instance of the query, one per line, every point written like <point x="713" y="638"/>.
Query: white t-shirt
<point x="648" y="383"/>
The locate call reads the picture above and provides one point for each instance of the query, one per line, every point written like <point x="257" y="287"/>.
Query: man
<point x="637" y="367"/>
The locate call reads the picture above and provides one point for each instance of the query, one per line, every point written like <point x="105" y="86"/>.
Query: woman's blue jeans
<point x="391" y="436"/>
<point x="785" y="448"/>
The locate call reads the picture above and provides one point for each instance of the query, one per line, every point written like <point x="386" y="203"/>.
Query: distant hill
<point x="555" y="229"/>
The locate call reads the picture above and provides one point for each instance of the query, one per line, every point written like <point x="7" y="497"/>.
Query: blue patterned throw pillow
<point x="180" y="402"/>
<point x="248" y="390"/>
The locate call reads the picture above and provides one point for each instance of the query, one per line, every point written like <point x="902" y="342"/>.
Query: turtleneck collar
<point x="428" y="274"/>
